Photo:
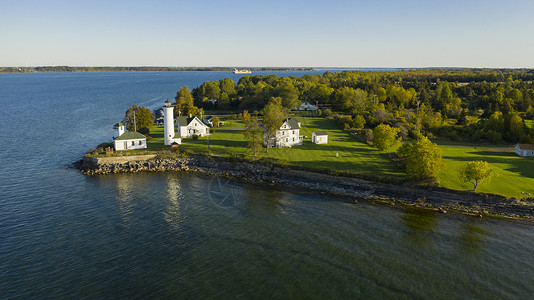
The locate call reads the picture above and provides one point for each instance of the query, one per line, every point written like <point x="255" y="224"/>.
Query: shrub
<point x="195" y="137"/>
<point x="368" y="136"/>
<point x="144" y="130"/>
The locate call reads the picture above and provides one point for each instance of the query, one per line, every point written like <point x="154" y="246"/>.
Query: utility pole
<point x="135" y="123"/>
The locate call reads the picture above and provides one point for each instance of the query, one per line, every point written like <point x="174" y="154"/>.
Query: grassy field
<point x="515" y="174"/>
<point x="353" y="155"/>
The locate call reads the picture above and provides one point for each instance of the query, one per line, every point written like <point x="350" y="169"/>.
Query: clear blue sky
<point x="410" y="33"/>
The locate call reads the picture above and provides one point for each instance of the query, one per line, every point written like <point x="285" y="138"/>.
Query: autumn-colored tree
<point x="184" y="101"/>
<point x="137" y="117"/>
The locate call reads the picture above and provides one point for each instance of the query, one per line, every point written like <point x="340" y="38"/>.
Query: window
<point x="293" y="139"/>
<point x="140" y="143"/>
<point x="293" y="131"/>
<point x="133" y="143"/>
<point x="286" y="139"/>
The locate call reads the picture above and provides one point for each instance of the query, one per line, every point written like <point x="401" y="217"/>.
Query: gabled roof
<point x="131" y="135"/>
<point x="294" y="124"/>
<point x="320" y="133"/>
<point x="526" y="146"/>
<point x="184" y="120"/>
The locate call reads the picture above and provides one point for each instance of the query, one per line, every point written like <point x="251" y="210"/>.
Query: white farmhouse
<point x="190" y="126"/>
<point x="287" y="136"/>
<point x="307" y="106"/>
<point x="524" y="149"/>
<point x="320" y="137"/>
<point x="128" y="140"/>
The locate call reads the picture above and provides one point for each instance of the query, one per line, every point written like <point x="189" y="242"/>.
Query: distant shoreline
<point x="55" y="69"/>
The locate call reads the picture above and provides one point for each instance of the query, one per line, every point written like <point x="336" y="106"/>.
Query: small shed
<point x="320" y="137"/>
<point x="524" y="149"/>
<point x="130" y="140"/>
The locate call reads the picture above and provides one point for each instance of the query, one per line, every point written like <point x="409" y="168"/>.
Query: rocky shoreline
<point x="439" y="199"/>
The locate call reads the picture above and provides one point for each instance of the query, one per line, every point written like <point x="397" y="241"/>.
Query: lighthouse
<point x="168" y="124"/>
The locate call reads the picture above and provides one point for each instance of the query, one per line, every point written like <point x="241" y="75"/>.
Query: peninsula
<point x="455" y="136"/>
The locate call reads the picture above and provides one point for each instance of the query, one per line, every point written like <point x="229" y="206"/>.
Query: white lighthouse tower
<point x="168" y="124"/>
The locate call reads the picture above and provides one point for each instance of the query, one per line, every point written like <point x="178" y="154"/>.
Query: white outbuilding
<point x="128" y="140"/>
<point x="320" y="137"/>
<point x="524" y="149"/>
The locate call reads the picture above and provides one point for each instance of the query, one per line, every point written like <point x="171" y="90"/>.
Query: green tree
<point x="359" y="122"/>
<point x="215" y="121"/>
<point x="289" y="94"/>
<point x="253" y="133"/>
<point x="422" y="159"/>
<point x="386" y="137"/>
<point x="246" y="117"/>
<point x="273" y="116"/>
<point x="476" y="172"/>
<point x="184" y="101"/>
<point x="137" y="117"/>
<point x="227" y="86"/>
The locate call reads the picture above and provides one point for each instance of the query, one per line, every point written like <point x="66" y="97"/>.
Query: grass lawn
<point x="353" y="155"/>
<point x="515" y="174"/>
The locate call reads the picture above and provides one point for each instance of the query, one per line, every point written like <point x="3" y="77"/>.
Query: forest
<point x="493" y="105"/>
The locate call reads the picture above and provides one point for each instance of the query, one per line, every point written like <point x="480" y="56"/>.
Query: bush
<point x="368" y="136"/>
<point x="105" y="145"/>
<point x="195" y="137"/>
<point x="144" y="130"/>
<point x="184" y="152"/>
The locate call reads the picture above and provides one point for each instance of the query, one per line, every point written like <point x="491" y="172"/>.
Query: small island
<point x="402" y="137"/>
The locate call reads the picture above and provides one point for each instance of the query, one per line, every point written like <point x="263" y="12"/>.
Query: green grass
<point x="353" y="156"/>
<point x="515" y="174"/>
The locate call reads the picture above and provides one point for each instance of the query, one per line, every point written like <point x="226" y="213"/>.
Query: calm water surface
<point x="173" y="235"/>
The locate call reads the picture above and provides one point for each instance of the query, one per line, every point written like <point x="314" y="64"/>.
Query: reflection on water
<point x="125" y="189"/>
<point x="472" y="237"/>
<point x="174" y="196"/>
<point x="420" y="224"/>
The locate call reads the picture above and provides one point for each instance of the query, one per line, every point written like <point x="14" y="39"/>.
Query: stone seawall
<point x="354" y="188"/>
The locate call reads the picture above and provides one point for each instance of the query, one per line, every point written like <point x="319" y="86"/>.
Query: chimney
<point x="190" y="115"/>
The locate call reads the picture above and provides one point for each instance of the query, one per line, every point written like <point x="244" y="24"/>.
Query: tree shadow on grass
<point x="519" y="165"/>
<point x="376" y="168"/>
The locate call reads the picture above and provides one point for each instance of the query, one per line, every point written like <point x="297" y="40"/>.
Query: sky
<point x="235" y="33"/>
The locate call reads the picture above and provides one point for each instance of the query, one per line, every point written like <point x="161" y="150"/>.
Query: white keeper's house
<point x="128" y="140"/>
<point x="287" y="136"/>
<point x="524" y="149"/>
<point x="190" y="126"/>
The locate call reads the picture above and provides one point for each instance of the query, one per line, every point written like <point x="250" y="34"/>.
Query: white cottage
<point x="288" y="135"/>
<point x="188" y="127"/>
<point x="320" y="137"/>
<point x="524" y="149"/>
<point x="128" y="140"/>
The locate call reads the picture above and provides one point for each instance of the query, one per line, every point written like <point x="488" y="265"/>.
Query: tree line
<point x="455" y="104"/>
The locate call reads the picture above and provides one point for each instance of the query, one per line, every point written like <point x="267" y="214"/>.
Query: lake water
<point x="173" y="235"/>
